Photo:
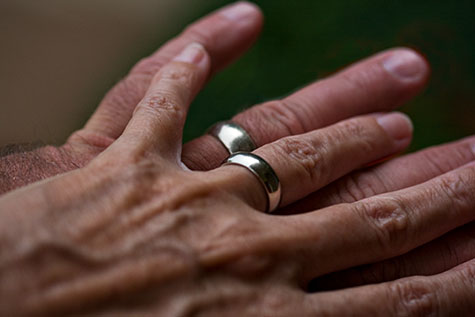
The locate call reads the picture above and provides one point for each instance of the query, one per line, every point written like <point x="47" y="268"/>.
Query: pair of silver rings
<point x="239" y="145"/>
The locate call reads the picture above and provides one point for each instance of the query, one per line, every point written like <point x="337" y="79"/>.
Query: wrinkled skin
<point x="362" y="88"/>
<point x="135" y="231"/>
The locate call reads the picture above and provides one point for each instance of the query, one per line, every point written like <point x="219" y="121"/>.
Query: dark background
<point x="305" y="40"/>
<point x="301" y="42"/>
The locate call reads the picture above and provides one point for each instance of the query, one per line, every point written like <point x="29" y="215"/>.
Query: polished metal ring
<point x="233" y="137"/>
<point x="264" y="173"/>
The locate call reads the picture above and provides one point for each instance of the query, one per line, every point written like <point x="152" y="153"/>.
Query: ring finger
<point x="377" y="84"/>
<point x="307" y="162"/>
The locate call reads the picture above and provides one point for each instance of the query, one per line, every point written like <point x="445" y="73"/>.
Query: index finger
<point x="225" y="34"/>
<point x="157" y="123"/>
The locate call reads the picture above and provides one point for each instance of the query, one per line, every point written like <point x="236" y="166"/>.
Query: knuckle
<point x="238" y="241"/>
<point x="250" y="266"/>
<point x="464" y="151"/>
<point x="390" y="221"/>
<point x="413" y="298"/>
<point x="444" y="158"/>
<point x="283" y="113"/>
<point x="441" y="159"/>
<point x="179" y="75"/>
<point x="353" y="126"/>
<point x="143" y="174"/>
<point x="361" y="85"/>
<point x="458" y="188"/>
<point x="158" y="103"/>
<point x="306" y="155"/>
<point x="271" y="121"/>
<point x="136" y="170"/>
<point x="435" y="160"/>
<point x="251" y="254"/>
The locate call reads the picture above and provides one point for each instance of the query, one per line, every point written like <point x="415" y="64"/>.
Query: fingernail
<point x="405" y="64"/>
<point x="239" y="11"/>
<point x="192" y="54"/>
<point x="397" y="125"/>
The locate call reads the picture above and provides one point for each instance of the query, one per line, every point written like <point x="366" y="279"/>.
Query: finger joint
<point x="458" y="188"/>
<point x="158" y="103"/>
<point x="389" y="217"/>
<point x="271" y="121"/>
<point x="306" y="155"/>
<point x="413" y="298"/>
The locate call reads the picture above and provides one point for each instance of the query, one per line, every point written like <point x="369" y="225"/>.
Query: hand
<point x="226" y="34"/>
<point x="363" y="88"/>
<point x="452" y="249"/>
<point x="135" y="231"/>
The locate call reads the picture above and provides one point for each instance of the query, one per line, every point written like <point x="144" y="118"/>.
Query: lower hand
<point x="137" y="232"/>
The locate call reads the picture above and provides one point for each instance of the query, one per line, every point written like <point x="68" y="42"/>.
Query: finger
<point x="158" y="120"/>
<point x="401" y="172"/>
<point x="447" y="294"/>
<point x="226" y="34"/>
<point x="384" y="226"/>
<point x="379" y="83"/>
<point x="307" y="162"/>
<point x="440" y="255"/>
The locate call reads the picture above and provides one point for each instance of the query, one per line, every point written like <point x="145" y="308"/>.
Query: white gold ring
<point x="263" y="172"/>
<point x="233" y="137"/>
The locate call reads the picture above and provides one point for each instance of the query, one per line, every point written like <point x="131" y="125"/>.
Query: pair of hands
<point x="133" y="222"/>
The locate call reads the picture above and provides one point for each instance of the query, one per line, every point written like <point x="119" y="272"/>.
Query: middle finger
<point x="384" y="226"/>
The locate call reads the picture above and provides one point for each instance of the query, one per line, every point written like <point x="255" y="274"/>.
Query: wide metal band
<point x="264" y="173"/>
<point x="233" y="137"/>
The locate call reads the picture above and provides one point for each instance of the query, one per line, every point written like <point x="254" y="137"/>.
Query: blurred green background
<point x="306" y="40"/>
<point x="302" y="41"/>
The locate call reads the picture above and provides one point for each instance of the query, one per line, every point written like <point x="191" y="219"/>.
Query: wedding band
<point x="264" y="173"/>
<point x="233" y="137"/>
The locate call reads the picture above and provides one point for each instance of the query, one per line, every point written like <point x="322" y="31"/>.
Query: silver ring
<point x="233" y="137"/>
<point x="264" y="173"/>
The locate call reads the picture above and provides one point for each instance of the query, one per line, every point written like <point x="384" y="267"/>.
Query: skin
<point x="136" y="232"/>
<point x="367" y="85"/>
<point x="362" y="88"/>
